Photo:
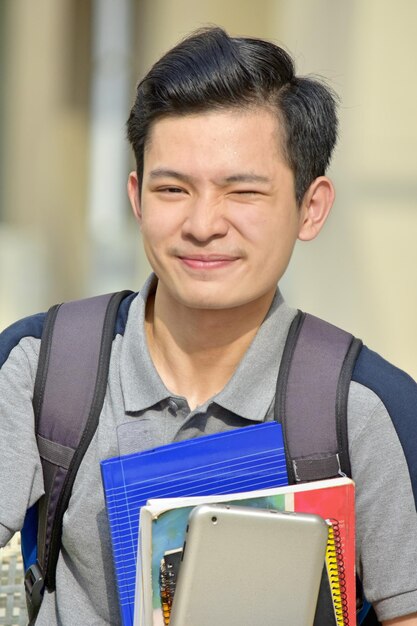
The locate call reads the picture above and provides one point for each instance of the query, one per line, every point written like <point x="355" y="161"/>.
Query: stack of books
<point x="149" y="496"/>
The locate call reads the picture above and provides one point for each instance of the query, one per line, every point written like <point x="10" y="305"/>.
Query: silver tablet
<point x="249" y="566"/>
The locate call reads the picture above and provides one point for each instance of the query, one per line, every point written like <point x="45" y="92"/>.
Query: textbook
<point x="238" y="460"/>
<point x="163" y="524"/>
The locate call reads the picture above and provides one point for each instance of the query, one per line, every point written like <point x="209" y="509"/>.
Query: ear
<point x="315" y="208"/>
<point x="133" y="192"/>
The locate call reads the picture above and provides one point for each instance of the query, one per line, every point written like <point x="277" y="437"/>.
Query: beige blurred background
<point x="68" y="71"/>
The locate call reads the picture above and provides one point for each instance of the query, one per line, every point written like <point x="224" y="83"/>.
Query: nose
<point x="205" y="220"/>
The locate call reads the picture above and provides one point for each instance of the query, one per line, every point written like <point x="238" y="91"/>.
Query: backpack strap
<point x="311" y="404"/>
<point x="69" y="392"/>
<point x="311" y="398"/>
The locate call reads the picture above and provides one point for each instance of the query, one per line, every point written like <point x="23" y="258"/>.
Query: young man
<point x="231" y="150"/>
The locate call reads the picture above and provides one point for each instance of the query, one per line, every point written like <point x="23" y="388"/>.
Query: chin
<point x="205" y="304"/>
<point x="212" y="301"/>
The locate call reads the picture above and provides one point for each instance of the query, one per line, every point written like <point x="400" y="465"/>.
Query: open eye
<point x="171" y="189"/>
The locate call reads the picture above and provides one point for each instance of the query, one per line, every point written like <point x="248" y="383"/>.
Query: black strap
<point x="311" y="398"/>
<point x="69" y="392"/>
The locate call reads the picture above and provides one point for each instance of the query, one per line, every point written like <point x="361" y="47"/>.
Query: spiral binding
<point x="164" y="588"/>
<point x="168" y="572"/>
<point x="336" y="573"/>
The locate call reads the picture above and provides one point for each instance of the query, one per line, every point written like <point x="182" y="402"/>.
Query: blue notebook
<point x="234" y="461"/>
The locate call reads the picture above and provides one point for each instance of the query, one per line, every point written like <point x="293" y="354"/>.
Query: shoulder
<point x="396" y="390"/>
<point x="386" y="380"/>
<point x="30" y="328"/>
<point x="27" y="328"/>
<point x="392" y="393"/>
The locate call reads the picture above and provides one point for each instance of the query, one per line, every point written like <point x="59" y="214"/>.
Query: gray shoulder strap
<point x="69" y="392"/>
<point x="311" y="399"/>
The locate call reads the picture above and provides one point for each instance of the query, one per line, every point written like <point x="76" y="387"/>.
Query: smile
<point x="207" y="262"/>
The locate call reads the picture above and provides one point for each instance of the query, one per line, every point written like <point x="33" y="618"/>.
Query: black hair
<point x="210" y="70"/>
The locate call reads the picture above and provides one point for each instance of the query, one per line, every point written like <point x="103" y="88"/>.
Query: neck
<point x="196" y="351"/>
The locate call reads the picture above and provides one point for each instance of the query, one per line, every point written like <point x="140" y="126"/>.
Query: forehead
<point x="225" y="135"/>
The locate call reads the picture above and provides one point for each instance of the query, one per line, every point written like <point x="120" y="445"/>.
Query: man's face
<point x="217" y="209"/>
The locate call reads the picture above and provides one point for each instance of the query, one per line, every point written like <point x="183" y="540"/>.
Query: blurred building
<point x="68" y="70"/>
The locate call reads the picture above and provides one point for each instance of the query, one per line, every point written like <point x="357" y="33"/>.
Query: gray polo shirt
<point x="139" y="412"/>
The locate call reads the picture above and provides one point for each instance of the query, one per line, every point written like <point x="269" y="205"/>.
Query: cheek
<point x="252" y="223"/>
<point x="272" y="238"/>
<point x="156" y="225"/>
<point x="267" y="228"/>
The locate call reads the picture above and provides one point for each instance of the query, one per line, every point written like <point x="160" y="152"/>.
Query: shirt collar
<point x="250" y="391"/>
<point x="142" y="386"/>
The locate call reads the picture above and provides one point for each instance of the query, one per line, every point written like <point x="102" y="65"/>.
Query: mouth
<point x="207" y="261"/>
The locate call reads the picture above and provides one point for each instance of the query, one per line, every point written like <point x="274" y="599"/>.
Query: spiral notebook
<point x="234" y="461"/>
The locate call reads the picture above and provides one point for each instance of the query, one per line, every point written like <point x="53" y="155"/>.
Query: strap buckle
<point x="317" y="467"/>
<point x="34" y="587"/>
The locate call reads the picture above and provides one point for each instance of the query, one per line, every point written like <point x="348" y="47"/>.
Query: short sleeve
<point x="21" y="483"/>
<point x="386" y="518"/>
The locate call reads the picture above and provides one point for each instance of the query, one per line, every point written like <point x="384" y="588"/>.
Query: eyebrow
<point x="166" y="173"/>
<point x="246" y="178"/>
<point x="234" y="178"/>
